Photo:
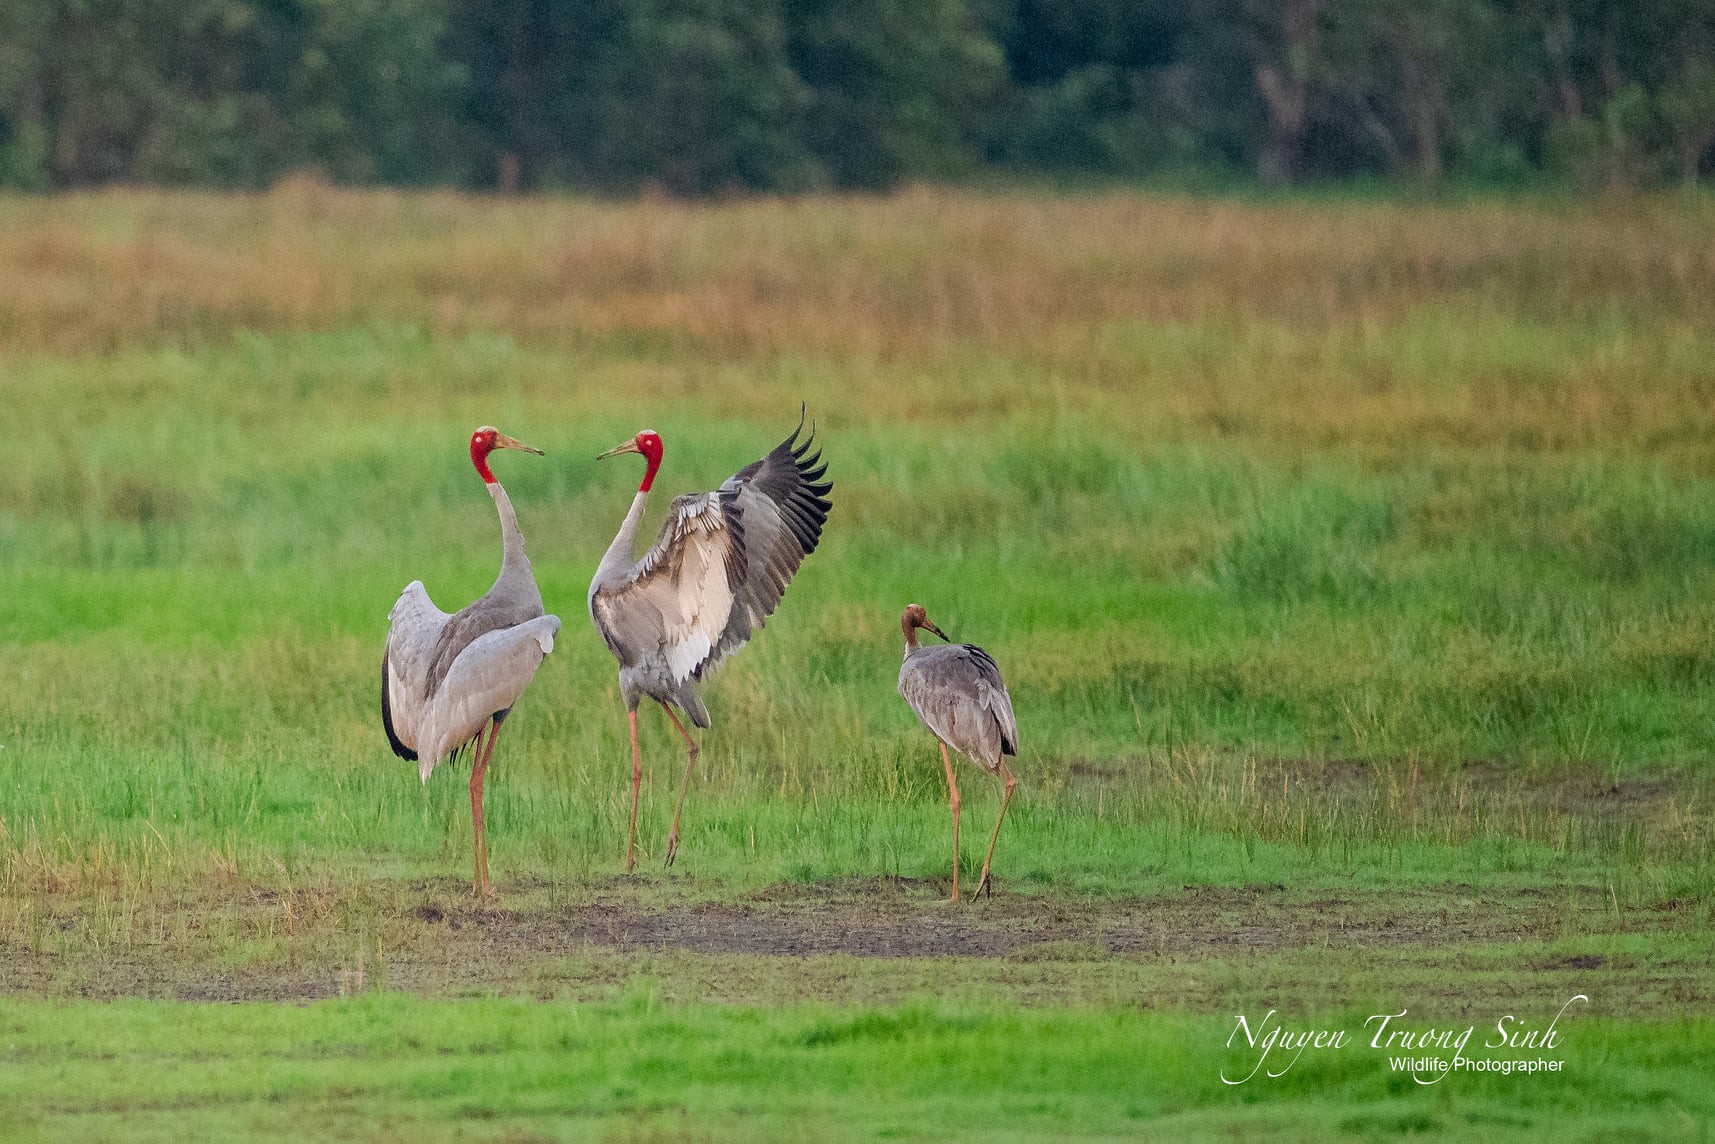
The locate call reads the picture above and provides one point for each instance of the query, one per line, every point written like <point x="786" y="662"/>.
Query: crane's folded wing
<point x="487" y="678"/>
<point x="993" y="695"/>
<point x="413" y="626"/>
<point x="958" y="693"/>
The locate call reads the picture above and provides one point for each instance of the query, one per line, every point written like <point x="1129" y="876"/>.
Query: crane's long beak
<point x="622" y="447"/>
<point x="937" y="631"/>
<point x="502" y="441"/>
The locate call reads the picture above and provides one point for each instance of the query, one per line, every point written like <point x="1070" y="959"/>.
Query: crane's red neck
<point x="649" y="444"/>
<point x="481" y="445"/>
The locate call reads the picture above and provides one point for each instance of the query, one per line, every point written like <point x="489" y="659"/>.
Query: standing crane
<point x="715" y="573"/>
<point x="446" y="679"/>
<point x="957" y="691"/>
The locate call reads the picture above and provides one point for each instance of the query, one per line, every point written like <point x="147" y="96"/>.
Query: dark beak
<point x="937" y="631"/>
<point x="622" y="447"/>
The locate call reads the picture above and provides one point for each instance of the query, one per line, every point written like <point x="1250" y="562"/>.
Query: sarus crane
<point x="957" y="691"/>
<point x="446" y="679"/>
<point x="715" y="573"/>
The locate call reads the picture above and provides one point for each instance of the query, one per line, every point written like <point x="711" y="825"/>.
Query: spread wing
<point x="413" y="628"/>
<point x="720" y="565"/>
<point x="782" y="503"/>
<point x="958" y="693"/>
<point x="679" y="597"/>
<point x="486" y="678"/>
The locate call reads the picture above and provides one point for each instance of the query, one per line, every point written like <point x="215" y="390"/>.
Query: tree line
<point x="705" y="96"/>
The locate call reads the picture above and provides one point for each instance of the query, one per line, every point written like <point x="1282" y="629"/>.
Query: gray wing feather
<point x="715" y="573"/>
<point x="677" y="600"/>
<point x="492" y="613"/>
<point x="957" y="691"/>
<point x="995" y="697"/>
<point x="486" y="677"/>
<point x="781" y="505"/>
<point x="413" y="628"/>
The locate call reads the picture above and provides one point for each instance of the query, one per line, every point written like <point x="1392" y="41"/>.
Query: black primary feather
<point x="399" y="748"/>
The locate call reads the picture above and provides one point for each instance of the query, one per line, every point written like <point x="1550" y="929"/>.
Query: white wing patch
<point x="684" y="579"/>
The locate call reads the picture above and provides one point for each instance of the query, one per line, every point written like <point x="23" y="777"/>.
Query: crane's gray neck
<point x="514" y="565"/>
<point x="618" y="559"/>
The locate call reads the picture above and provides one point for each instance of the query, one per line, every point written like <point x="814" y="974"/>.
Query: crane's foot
<point x="672" y="847"/>
<point x="985" y="887"/>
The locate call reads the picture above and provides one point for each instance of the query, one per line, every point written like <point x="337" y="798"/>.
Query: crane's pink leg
<point x="691" y="751"/>
<point x="479" y="841"/>
<point x="953" y="801"/>
<point x="636" y="786"/>
<point x="983" y="886"/>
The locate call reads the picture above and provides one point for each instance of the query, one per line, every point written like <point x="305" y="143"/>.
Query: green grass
<point x="197" y="609"/>
<point x="1363" y="551"/>
<point x="497" y="1068"/>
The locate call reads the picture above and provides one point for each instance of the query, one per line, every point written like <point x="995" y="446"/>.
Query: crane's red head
<point x="647" y="442"/>
<point x="915" y="617"/>
<point x="487" y="439"/>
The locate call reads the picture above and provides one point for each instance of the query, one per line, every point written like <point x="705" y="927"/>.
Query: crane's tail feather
<point x="393" y="741"/>
<point x="692" y="704"/>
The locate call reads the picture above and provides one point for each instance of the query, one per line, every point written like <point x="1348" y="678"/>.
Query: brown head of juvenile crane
<point x="715" y="573"/>
<point x="957" y="691"/>
<point x="447" y="679"/>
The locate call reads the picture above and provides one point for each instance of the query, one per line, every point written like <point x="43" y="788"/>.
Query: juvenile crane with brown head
<point x="957" y="691"/>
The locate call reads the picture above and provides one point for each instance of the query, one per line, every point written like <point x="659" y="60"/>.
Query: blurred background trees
<point x="704" y="96"/>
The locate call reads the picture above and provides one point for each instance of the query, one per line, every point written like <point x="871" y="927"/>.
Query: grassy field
<point x="1352" y="567"/>
<point x="634" y="1068"/>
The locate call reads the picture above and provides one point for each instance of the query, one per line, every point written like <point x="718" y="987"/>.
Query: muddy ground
<point x="884" y="940"/>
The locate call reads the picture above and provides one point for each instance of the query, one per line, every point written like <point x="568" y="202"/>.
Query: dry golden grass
<point x="1489" y="325"/>
<point x="891" y="276"/>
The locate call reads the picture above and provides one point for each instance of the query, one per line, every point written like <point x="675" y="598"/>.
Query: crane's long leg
<point x="636" y="786"/>
<point x="953" y="801"/>
<point x="691" y="753"/>
<point x="479" y="841"/>
<point x="983" y="886"/>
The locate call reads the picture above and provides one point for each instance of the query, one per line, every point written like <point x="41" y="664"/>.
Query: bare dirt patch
<point x="881" y="918"/>
<point x="856" y="938"/>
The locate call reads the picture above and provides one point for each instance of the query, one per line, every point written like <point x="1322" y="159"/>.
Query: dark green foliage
<point x="898" y="86"/>
<point x="705" y="96"/>
<point x="694" y="95"/>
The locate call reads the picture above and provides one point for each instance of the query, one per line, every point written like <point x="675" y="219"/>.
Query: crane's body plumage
<point x="445" y="678"/>
<point x="717" y="570"/>
<point x="957" y="691"/>
<point x="429" y="718"/>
